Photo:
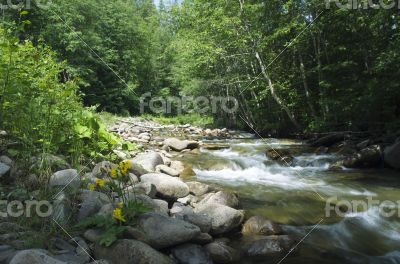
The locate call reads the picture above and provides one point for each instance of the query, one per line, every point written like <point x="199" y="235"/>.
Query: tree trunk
<point x="306" y="89"/>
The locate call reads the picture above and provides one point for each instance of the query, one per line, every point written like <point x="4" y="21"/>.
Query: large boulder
<point x="148" y="161"/>
<point x="220" y="252"/>
<point x="223" y="218"/>
<point x="7" y="253"/>
<point x="187" y="214"/>
<point x="258" y="225"/>
<point x="191" y="254"/>
<point x="179" y="145"/>
<point x="162" y="231"/>
<point x="127" y="251"/>
<point x="167" y="187"/>
<point x="34" y="256"/>
<point x="368" y="157"/>
<point x="270" y="247"/>
<point x="221" y="197"/>
<point x="392" y="155"/>
<point x="65" y="178"/>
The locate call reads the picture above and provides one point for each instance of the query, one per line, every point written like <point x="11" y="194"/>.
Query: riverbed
<point x="302" y="198"/>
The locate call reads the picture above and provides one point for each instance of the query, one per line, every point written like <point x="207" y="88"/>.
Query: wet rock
<point x="128" y="251"/>
<point x="215" y="146"/>
<point x="162" y="231"/>
<point x="363" y="144"/>
<point x="276" y="154"/>
<point x="198" y="188"/>
<point x="223" y="218"/>
<point x="258" y="225"/>
<point x="167" y="187"/>
<point x="191" y="254"/>
<point x="147" y="161"/>
<point x="222" y="253"/>
<point x="270" y="247"/>
<point x="34" y="256"/>
<point x="369" y="157"/>
<point x="65" y="178"/>
<point x="167" y="170"/>
<point x="221" y="197"/>
<point x="392" y="155"/>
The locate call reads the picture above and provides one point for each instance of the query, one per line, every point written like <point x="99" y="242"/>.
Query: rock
<point x="4" y="169"/>
<point x="7" y="253"/>
<point x="177" y="165"/>
<point x="223" y="218"/>
<point x="162" y="231"/>
<point x="276" y="154"/>
<point x="62" y="208"/>
<point x="91" y="203"/>
<point x="187" y="173"/>
<point x="198" y="188"/>
<point x="6" y="160"/>
<point x="222" y="253"/>
<point x="56" y="163"/>
<point x="134" y="233"/>
<point x="167" y="187"/>
<point x="65" y="178"/>
<point x="363" y="144"/>
<point x="392" y="155"/>
<point x="92" y="235"/>
<point x="190" y="199"/>
<point x="215" y="146"/>
<point x="133" y="178"/>
<point x="270" y="247"/>
<point x="258" y="225"/>
<point x="103" y="169"/>
<point x="328" y="140"/>
<point x="187" y="214"/>
<point x="167" y="170"/>
<point x="145" y="188"/>
<point x="127" y="251"/>
<point x="121" y="155"/>
<point x="106" y="210"/>
<point x="147" y="161"/>
<point x="202" y="239"/>
<point x="179" y="145"/>
<point x="369" y="157"/>
<point x="191" y="254"/>
<point x="221" y="197"/>
<point x="34" y="256"/>
<point x="3" y="133"/>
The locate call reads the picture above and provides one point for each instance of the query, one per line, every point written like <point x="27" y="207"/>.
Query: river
<point x="296" y="197"/>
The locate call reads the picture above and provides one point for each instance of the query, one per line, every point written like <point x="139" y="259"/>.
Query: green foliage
<point x="193" y="119"/>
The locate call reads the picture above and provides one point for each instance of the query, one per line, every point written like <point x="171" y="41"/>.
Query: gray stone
<point x="62" y="208"/>
<point x="177" y="165"/>
<point x="167" y="170"/>
<point x="7" y="253"/>
<point x="129" y="251"/>
<point x="369" y="157"/>
<point x="34" y="256"/>
<point x="145" y="188"/>
<point x="92" y="235"/>
<point x="65" y="178"/>
<point x="167" y="187"/>
<point x="103" y="169"/>
<point x="147" y="161"/>
<point x="202" y="239"/>
<point x="162" y="205"/>
<point x="198" y="188"/>
<point x="223" y="218"/>
<point x="221" y="197"/>
<point x="187" y="214"/>
<point x="162" y="231"/>
<point x="191" y="254"/>
<point x="222" y="253"/>
<point x="4" y="169"/>
<point x="270" y="247"/>
<point x="6" y="160"/>
<point x="91" y="203"/>
<point x="179" y="145"/>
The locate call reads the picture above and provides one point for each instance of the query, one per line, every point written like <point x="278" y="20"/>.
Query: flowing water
<point x="296" y="198"/>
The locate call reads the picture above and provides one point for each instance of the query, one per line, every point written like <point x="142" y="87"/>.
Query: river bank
<point x="224" y="196"/>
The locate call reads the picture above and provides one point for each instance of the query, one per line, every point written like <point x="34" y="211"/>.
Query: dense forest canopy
<point x="292" y="65"/>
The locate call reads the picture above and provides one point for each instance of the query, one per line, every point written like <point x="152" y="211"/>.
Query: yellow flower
<point x="91" y="187"/>
<point x="117" y="214"/>
<point x="114" y="173"/>
<point x="100" y="182"/>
